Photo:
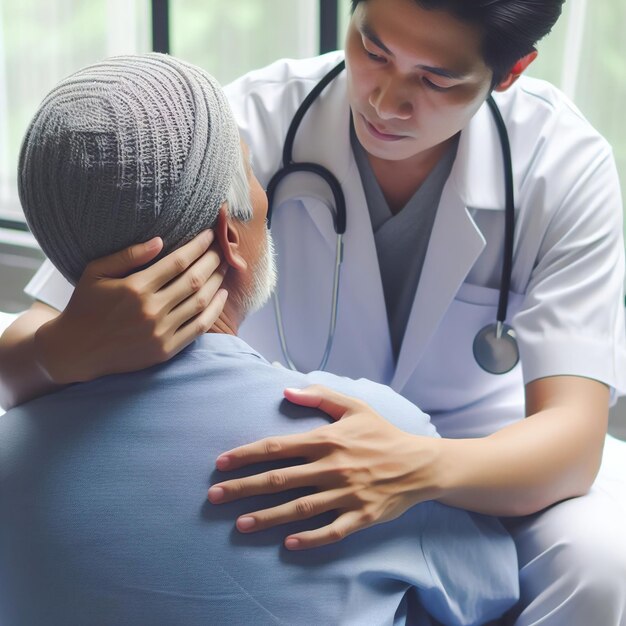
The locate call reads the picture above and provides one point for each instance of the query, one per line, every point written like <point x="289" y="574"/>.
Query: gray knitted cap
<point x="122" y="151"/>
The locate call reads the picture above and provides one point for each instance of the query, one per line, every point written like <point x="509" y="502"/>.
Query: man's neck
<point x="227" y="323"/>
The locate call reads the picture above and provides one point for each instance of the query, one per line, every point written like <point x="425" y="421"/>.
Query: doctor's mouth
<point x="377" y="134"/>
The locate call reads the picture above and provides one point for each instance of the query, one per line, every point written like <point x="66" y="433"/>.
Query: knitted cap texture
<point x="122" y="151"/>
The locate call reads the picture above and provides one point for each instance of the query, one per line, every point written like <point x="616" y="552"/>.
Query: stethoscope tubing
<point x="490" y="341"/>
<point x="509" y="213"/>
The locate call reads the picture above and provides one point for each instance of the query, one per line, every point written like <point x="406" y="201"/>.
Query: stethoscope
<point x="495" y="346"/>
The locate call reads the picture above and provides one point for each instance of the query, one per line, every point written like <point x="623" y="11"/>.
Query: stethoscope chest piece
<point x="495" y="348"/>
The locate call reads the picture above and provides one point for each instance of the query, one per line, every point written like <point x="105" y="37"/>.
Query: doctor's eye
<point x="374" y="57"/>
<point x="429" y="83"/>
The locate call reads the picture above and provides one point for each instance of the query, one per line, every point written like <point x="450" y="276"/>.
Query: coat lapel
<point x="455" y="244"/>
<point x="476" y="181"/>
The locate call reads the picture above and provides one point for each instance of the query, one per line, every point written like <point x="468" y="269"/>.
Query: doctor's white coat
<point x="566" y="300"/>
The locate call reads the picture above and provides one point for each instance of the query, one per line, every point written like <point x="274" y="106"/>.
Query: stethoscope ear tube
<point x="303" y="108"/>
<point x="289" y="167"/>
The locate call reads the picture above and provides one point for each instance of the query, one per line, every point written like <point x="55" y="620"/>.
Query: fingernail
<point x="216" y="494"/>
<point x="292" y="390"/>
<point x="222" y="462"/>
<point x="221" y="296"/>
<point x="292" y="544"/>
<point x="246" y="523"/>
<point x="208" y="235"/>
<point x="153" y="244"/>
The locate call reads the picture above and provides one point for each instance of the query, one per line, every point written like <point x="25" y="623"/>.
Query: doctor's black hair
<point x="511" y="28"/>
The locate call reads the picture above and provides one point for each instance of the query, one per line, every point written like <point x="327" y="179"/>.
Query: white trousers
<point x="572" y="556"/>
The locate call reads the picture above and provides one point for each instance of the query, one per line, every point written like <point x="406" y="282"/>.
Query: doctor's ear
<point x="516" y="71"/>
<point x="229" y="239"/>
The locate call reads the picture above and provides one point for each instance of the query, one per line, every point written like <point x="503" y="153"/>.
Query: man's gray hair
<point x="238" y="199"/>
<point x="125" y="150"/>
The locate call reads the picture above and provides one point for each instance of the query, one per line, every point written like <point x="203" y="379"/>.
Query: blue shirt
<point x="104" y="517"/>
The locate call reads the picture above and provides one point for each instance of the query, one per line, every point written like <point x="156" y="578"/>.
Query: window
<point x="230" y="37"/>
<point x="40" y="43"/>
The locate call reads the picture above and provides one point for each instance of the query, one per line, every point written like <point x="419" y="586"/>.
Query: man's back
<point x="104" y="517"/>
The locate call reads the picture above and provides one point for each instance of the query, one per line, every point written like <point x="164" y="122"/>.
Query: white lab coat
<point x="567" y="283"/>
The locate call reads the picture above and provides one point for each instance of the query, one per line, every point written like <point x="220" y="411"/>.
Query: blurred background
<point x="42" y="41"/>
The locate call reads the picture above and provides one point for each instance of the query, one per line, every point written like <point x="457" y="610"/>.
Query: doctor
<point x="406" y="131"/>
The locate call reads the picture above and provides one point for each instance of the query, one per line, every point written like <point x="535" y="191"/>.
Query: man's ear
<point x="229" y="239"/>
<point x="516" y="71"/>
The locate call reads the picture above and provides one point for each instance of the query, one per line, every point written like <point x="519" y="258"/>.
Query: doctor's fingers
<point x="207" y="269"/>
<point x="199" y="324"/>
<point x="346" y="524"/>
<point x="198" y="301"/>
<point x="168" y="268"/>
<point x="309" y="445"/>
<point x="295" y="510"/>
<point x="274" y="481"/>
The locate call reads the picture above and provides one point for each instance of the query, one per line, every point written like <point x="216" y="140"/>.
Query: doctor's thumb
<point x="331" y="402"/>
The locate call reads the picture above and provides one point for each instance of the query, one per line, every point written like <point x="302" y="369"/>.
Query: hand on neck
<point x="229" y="320"/>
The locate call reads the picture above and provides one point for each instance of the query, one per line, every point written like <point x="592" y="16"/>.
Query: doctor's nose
<point x="390" y="101"/>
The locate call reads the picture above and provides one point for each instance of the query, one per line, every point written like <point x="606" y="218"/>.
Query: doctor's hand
<point x="362" y="467"/>
<point x="116" y="322"/>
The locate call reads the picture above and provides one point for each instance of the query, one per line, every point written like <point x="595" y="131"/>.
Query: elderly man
<point x="103" y="510"/>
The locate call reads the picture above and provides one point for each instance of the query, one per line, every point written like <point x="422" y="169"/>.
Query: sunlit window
<point x="40" y="43"/>
<point x="230" y="37"/>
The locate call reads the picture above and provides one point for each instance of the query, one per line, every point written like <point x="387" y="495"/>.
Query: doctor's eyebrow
<point x="367" y="31"/>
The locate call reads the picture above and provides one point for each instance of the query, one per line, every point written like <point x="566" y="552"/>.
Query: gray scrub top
<point x="401" y="239"/>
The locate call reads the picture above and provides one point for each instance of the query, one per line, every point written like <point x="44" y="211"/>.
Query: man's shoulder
<point x="391" y="405"/>
<point x="284" y="74"/>
<point x="540" y="108"/>
<point x="540" y="89"/>
<point x="271" y="380"/>
<point x="266" y="383"/>
<point x="215" y="373"/>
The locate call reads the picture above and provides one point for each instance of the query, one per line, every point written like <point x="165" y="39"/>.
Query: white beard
<point x="263" y="279"/>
